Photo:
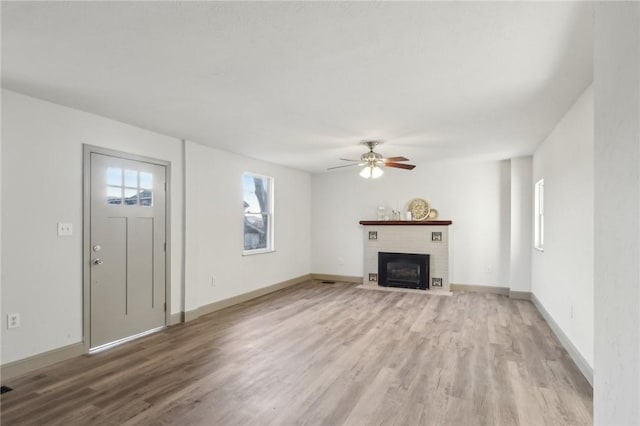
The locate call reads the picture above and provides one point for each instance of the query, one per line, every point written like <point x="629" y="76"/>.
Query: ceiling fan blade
<point x="396" y="159"/>
<point x="346" y="165"/>
<point x="348" y="159"/>
<point x="400" y="166"/>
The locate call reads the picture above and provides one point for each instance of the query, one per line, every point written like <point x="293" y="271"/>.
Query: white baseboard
<point x="342" y="278"/>
<point x="221" y="304"/>
<point x="45" y="359"/>
<point x="523" y="295"/>
<point x="177" y="318"/>
<point x="577" y="357"/>
<point x="479" y="289"/>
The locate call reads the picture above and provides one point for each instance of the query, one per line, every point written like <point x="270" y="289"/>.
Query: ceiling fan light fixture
<point x="371" y="172"/>
<point x="372" y="161"/>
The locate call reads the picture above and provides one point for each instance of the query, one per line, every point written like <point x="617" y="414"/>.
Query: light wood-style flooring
<point x="323" y="354"/>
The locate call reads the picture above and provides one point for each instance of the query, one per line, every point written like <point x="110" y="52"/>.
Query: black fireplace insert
<point x="407" y="270"/>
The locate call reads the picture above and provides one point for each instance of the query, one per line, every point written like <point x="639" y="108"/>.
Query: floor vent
<point x="5" y="389"/>
<point x="328" y="282"/>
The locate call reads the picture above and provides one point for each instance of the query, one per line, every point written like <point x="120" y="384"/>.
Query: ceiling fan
<point x="372" y="162"/>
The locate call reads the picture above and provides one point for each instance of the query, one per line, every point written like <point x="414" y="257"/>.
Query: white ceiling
<point x="301" y="83"/>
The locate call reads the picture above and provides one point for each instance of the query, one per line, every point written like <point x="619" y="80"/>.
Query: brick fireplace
<point x="412" y="238"/>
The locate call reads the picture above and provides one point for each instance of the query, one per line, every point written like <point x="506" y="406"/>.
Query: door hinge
<point x="165" y="187"/>
<point x="165" y="246"/>
<point x="165" y="306"/>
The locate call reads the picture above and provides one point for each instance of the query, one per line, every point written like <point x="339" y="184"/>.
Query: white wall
<point x="617" y="217"/>
<point x="562" y="278"/>
<point x="42" y="185"/>
<point x="474" y="195"/>
<point x="214" y="212"/>
<point x="521" y="223"/>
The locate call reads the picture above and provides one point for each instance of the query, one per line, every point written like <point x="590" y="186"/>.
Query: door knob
<point x="98" y="261"/>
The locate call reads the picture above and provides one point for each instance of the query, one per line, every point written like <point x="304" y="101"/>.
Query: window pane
<point x="262" y="193"/>
<point x="255" y="231"/>
<point x="131" y="178"/>
<point x="539" y="215"/>
<point x="114" y="195"/>
<point x="114" y="176"/>
<point x="146" y="197"/>
<point x="146" y="180"/>
<point x="131" y="196"/>
<point x="250" y="200"/>
<point x="257" y="194"/>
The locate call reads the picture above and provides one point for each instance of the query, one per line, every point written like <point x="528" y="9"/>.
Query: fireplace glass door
<point x="408" y="270"/>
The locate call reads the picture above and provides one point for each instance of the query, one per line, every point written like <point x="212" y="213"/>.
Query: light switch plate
<point x="65" y="229"/>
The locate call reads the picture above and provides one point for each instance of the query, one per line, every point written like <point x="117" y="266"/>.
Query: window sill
<point x="257" y="251"/>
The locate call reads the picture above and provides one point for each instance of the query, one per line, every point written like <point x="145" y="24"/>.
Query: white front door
<point x="127" y="248"/>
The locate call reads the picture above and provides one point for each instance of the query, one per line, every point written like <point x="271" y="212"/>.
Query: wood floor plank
<point x="318" y="354"/>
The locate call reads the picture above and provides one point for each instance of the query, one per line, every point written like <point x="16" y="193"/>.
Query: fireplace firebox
<point x="407" y="270"/>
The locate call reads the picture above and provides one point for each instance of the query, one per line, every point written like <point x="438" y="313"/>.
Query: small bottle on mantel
<point x="409" y="216"/>
<point x="381" y="213"/>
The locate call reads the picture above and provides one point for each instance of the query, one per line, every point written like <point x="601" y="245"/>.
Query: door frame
<point x="86" y="232"/>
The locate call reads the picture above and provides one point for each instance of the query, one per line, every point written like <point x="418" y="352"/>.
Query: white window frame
<point x="539" y="215"/>
<point x="270" y="214"/>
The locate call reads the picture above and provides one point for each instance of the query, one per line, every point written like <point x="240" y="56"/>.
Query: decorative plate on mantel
<point x="419" y="208"/>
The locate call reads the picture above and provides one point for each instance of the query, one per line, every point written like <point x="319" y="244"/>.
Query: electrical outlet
<point x="65" y="229"/>
<point x="13" y="320"/>
<point x="489" y="269"/>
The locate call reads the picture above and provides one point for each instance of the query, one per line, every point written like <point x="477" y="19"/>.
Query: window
<point x="539" y="215"/>
<point x="258" y="213"/>
<point x="135" y="189"/>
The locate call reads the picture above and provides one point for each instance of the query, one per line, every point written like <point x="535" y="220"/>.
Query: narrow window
<point x="258" y="213"/>
<point x="539" y="215"/>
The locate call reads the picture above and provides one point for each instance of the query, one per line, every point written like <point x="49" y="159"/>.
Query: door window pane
<point x="146" y="197"/>
<point x="131" y="196"/>
<point x="114" y="176"/>
<point x="129" y="187"/>
<point x="146" y="180"/>
<point x="131" y="178"/>
<point x="114" y="194"/>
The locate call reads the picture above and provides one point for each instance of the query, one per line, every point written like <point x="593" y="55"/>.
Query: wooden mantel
<point x="405" y="222"/>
